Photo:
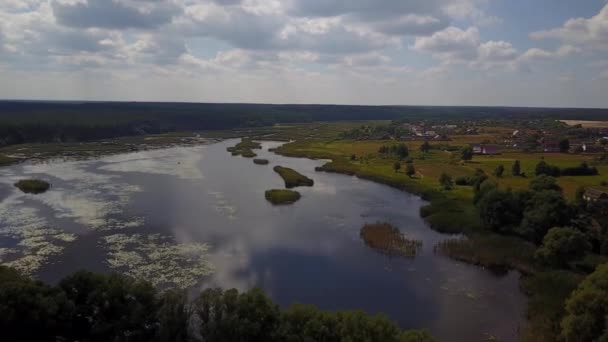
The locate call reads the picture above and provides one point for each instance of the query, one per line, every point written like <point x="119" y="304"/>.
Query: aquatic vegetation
<point x="245" y="148"/>
<point x="33" y="186"/>
<point x="158" y="259"/>
<point x="293" y="178"/>
<point x="491" y="251"/>
<point x="34" y="249"/>
<point x="279" y="197"/>
<point x="181" y="162"/>
<point x="387" y="238"/>
<point x="261" y="161"/>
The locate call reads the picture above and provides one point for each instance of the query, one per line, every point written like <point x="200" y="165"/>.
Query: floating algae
<point x="158" y="259"/>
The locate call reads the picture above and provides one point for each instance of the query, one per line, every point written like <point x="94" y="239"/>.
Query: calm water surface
<point x="196" y="217"/>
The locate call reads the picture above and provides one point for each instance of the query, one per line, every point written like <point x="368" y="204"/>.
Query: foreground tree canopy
<point x="96" y="307"/>
<point x="587" y="309"/>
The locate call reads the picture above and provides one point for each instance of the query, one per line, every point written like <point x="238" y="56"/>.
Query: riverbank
<point x="453" y="212"/>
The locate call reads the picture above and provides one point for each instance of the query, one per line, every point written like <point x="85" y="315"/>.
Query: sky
<point x="381" y="52"/>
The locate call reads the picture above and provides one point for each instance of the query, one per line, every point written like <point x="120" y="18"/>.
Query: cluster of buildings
<point x="422" y="131"/>
<point x="549" y="143"/>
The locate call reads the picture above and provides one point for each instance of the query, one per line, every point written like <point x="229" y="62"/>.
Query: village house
<point x="595" y="195"/>
<point x="551" y="145"/>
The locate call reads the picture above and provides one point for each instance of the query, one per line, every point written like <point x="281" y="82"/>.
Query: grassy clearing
<point x="586" y="124"/>
<point x="33" y="186"/>
<point x="282" y="196"/>
<point x="387" y="239"/>
<point x="293" y="178"/>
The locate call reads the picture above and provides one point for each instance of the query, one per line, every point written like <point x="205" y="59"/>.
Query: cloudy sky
<point x="437" y="52"/>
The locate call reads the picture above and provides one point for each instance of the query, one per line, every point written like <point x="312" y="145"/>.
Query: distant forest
<point x="44" y="121"/>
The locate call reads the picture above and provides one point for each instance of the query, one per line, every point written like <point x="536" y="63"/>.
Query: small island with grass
<point x="292" y="177"/>
<point x="387" y="239"/>
<point x="282" y="197"/>
<point x="245" y="148"/>
<point x="261" y="161"/>
<point x="33" y="186"/>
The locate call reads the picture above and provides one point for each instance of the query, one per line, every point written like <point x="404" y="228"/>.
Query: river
<point x="196" y="217"/>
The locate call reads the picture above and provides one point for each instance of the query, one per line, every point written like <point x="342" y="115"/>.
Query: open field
<point x="586" y="123"/>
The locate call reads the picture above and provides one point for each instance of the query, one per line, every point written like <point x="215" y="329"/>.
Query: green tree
<point x="545" y="210"/>
<point x="564" y="145"/>
<point x="173" y="317"/>
<point x="562" y="245"/>
<point x="483" y="188"/>
<point x="500" y="169"/>
<point x="516" y="169"/>
<point x="587" y="309"/>
<point x="425" y="147"/>
<point x="446" y="181"/>
<point x="230" y="316"/>
<point x="402" y="151"/>
<point x="108" y="305"/>
<point x="397" y="166"/>
<point x="31" y="310"/>
<point x="542" y="168"/>
<point x="500" y="211"/>
<point x="466" y="153"/>
<point x="544" y="182"/>
<point x="410" y="170"/>
<point x="579" y="199"/>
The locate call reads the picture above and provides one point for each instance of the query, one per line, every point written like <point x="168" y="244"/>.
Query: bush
<point x="587" y="308"/>
<point x="33" y="186"/>
<point x="446" y="181"/>
<point x="581" y="170"/>
<point x="542" y="168"/>
<point x="278" y="197"/>
<point x="561" y="246"/>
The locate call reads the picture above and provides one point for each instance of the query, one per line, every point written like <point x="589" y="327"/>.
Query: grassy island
<point x="387" y="238"/>
<point x="293" y="178"/>
<point x="245" y="148"/>
<point x="261" y="161"/>
<point x="279" y="197"/>
<point x="33" y="186"/>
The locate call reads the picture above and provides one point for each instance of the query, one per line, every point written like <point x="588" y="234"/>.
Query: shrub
<point x="33" y="186"/>
<point x="279" y="197"/>
<point x="542" y="168"/>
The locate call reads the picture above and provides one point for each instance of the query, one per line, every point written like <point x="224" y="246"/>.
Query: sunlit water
<point x="195" y="217"/>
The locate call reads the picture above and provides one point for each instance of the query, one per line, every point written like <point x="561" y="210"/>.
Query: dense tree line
<point x="95" y="307"/>
<point x="399" y="151"/>
<point x="42" y="121"/>
<point x="542" y="168"/>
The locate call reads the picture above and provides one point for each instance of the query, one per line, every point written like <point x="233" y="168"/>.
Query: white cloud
<point x="451" y="44"/>
<point x="592" y="33"/>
